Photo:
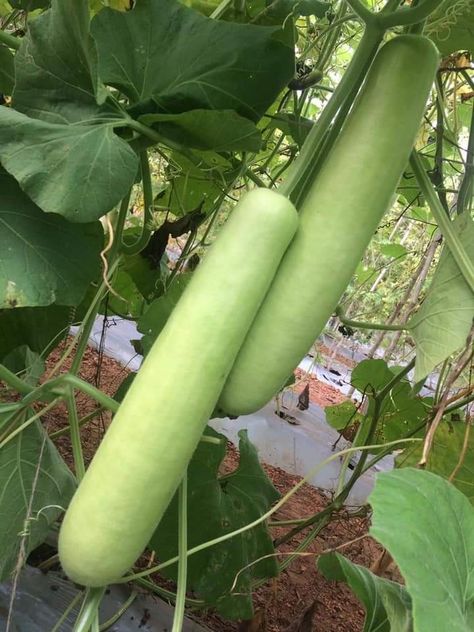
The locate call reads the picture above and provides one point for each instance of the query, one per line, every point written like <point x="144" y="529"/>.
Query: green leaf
<point x="363" y="273"/>
<point x="78" y="171"/>
<point x="34" y="480"/>
<point x="401" y="412"/>
<point x="25" y="363"/>
<point x="56" y="77"/>
<point x="420" y="213"/>
<point x="343" y="415"/>
<point x="428" y="527"/>
<point x="128" y="300"/>
<point x="451" y="26"/>
<point x="370" y="376"/>
<point x="393" y="250"/>
<point x="218" y="130"/>
<point x="7" y="70"/>
<point x="192" y="187"/>
<point x="387" y="604"/>
<point x="43" y="258"/>
<point x="159" y="55"/>
<point x="216" y="506"/>
<point x="158" y="312"/>
<point x="445" y="454"/>
<point x="298" y="127"/>
<point x="40" y="328"/>
<point x="442" y="324"/>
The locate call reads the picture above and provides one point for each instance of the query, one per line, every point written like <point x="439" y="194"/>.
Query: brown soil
<point x="319" y="393"/>
<point x="300" y="599"/>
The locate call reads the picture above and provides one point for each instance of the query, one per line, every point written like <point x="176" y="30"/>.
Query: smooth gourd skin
<point x="352" y="191"/>
<point x="144" y="454"/>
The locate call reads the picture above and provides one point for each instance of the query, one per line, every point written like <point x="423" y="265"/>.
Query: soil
<point x="300" y="599"/>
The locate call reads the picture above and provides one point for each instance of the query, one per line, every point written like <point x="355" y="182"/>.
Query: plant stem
<point x="142" y="241"/>
<point x="220" y="9"/>
<point x="362" y="12"/>
<point x="357" y="324"/>
<point x="459" y="404"/>
<point x="466" y="189"/>
<point x="168" y="594"/>
<point x="28" y="422"/>
<point x="405" y="17"/>
<point x="301" y="173"/>
<point x="466" y="266"/>
<point x="120" y="612"/>
<point x="78" y="456"/>
<point x="182" y="552"/>
<point x="88" y="612"/>
<point x="9" y="40"/>
<point x="14" y="381"/>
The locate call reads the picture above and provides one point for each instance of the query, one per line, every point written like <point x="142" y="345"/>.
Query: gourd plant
<point x="89" y="102"/>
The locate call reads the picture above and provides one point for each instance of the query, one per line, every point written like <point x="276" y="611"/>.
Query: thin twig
<point x="462" y="456"/>
<point x="440" y="409"/>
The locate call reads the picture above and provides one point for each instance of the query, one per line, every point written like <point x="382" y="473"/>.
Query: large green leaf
<point x="442" y="324"/>
<point x="451" y="26"/>
<point x="7" y="70"/>
<point x="428" y="527"/>
<point x="217" y="130"/>
<point x="34" y="481"/>
<point x="43" y="258"/>
<point x="445" y="454"/>
<point x="159" y="55"/>
<point x="56" y="78"/>
<point x="387" y="604"/>
<point x="40" y="328"/>
<point x="78" y="171"/>
<point x="217" y="506"/>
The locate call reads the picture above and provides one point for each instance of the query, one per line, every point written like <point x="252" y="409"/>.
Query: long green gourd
<point x="145" y="452"/>
<point x="338" y="217"/>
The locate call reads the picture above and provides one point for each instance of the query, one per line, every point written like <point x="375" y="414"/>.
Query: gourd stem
<point x="466" y="189"/>
<point x="14" y="381"/>
<point x="220" y="9"/>
<point x="404" y="17"/>
<point x="301" y="173"/>
<point x="9" y="40"/>
<point x="142" y="241"/>
<point x="362" y="12"/>
<point x="75" y="433"/>
<point x="466" y="266"/>
<point x="88" y="613"/>
<point x="183" y="557"/>
<point x="28" y="422"/>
